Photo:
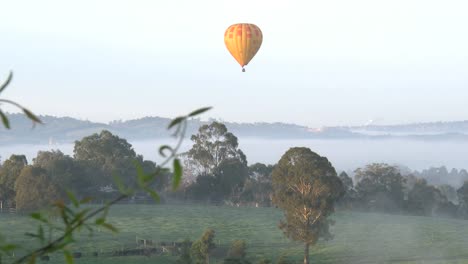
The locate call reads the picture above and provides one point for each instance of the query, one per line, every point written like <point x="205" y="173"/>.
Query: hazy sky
<point x="321" y="63"/>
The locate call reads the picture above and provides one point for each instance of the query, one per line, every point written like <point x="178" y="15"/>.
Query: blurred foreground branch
<point x="28" y="113"/>
<point x="55" y="237"/>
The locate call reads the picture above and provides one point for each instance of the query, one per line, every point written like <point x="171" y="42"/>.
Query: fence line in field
<point x="8" y="210"/>
<point x="161" y="248"/>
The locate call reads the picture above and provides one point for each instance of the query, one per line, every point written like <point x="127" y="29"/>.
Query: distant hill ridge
<point x="452" y="127"/>
<point x="67" y="129"/>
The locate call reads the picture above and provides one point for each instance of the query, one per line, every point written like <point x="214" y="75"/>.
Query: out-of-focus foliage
<point x="27" y="113"/>
<point x="51" y="170"/>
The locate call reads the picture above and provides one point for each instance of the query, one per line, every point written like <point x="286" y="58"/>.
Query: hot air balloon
<point x="243" y="41"/>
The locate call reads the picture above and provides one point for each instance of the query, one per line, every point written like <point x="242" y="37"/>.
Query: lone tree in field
<point x="306" y="187"/>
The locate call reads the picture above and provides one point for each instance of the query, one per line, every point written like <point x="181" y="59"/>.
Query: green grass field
<point x="359" y="237"/>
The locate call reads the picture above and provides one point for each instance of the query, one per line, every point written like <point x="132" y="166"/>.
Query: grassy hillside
<point x="359" y="238"/>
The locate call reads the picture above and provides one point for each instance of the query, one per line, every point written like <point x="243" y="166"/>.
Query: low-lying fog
<point x="344" y="154"/>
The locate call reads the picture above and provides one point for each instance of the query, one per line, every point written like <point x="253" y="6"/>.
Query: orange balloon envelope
<point x="243" y="41"/>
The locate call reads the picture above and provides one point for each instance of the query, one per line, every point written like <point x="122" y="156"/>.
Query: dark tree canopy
<point x="347" y="181"/>
<point x="463" y="194"/>
<point x="450" y="192"/>
<point x="218" y="166"/>
<point x="212" y="145"/>
<point x="257" y="188"/>
<point x="9" y="173"/>
<point x="103" y="148"/>
<point x="380" y="186"/>
<point x="231" y="175"/>
<point x="63" y="170"/>
<point x="105" y="155"/>
<point x="349" y="192"/>
<point x="53" y="173"/>
<point x="305" y="187"/>
<point x="424" y="199"/>
<point x="36" y="189"/>
<point x="260" y="171"/>
<point x="224" y="183"/>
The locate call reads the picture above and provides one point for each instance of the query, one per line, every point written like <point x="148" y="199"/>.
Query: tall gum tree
<point x="212" y="145"/>
<point x="305" y="187"/>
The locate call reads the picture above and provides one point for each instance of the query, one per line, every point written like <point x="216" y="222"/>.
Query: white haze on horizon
<point x="344" y="154"/>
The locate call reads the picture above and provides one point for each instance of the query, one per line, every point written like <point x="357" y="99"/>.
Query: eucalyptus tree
<point x="305" y="187"/>
<point x="213" y="144"/>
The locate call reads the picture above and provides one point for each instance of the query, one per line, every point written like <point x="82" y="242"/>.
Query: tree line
<point x="216" y="170"/>
<point x="97" y="160"/>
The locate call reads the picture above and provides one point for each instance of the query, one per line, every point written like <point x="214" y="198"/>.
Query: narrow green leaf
<point x="30" y="234"/>
<point x="153" y="194"/>
<point x="7" y="82"/>
<point x="199" y="111"/>
<point x="31" y="116"/>
<point x="79" y="216"/>
<point x="100" y="221"/>
<point x="68" y="211"/>
<point x="164" y="148"/>
<point x="68" y="239"/>
<point x="120" y="185"/>
<point x="5" y="121"/>
<point x="104" y="214"/>
<point x="40" y="233"/>
<point x="177" y="173"/>
<point x="64" y="216"/>
<point x="36" y="216"/>
<point x="73" y="199"/>
<point x="142" y="177"/>
<point x="110" y="227"/>
<point x="176" y="121"/>
<point x="177" y="131"/>
<point x="139" y="168"/>
<point x="68" y="257"/>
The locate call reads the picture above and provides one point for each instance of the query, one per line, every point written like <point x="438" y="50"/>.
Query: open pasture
<point x="359" y="237"/>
